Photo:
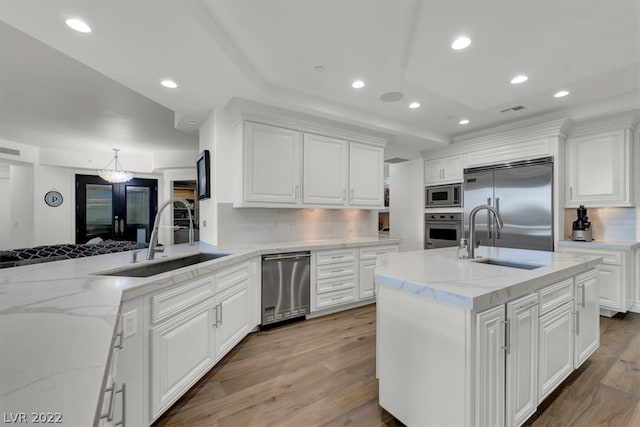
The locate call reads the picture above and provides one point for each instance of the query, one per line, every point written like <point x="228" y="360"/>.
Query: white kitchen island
<point x="463" y="342"/>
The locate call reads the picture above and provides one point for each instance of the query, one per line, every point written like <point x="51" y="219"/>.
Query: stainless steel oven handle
<point x="277" y="257"/>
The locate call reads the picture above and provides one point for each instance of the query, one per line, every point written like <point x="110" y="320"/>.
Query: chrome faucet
<point x="153" y="242"/>
<point x="472" y="226"/>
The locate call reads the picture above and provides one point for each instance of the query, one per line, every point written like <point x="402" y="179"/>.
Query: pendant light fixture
<point x="116" y="174"/>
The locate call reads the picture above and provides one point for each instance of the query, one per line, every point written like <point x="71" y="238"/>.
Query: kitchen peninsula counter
<point x="58" y="321"/>
<point x="458" y="341"/>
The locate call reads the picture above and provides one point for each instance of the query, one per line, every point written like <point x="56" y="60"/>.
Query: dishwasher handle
<point x="286" y="256"/>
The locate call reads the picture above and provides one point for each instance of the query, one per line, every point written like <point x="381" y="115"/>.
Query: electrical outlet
<point x="129" y="323"/>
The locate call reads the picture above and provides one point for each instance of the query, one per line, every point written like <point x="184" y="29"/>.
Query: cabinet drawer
<point x="166" y="304"/>
<point x="335" y="298"/>
<point x="334" y="256"/>
<point x="335" y="270"/>
<point x="373" y="251"/>
<point x="608" y="257"/>
<point x="231" y="276"/>
<point x="555" y="295"/>
<point x="329" y="285"/>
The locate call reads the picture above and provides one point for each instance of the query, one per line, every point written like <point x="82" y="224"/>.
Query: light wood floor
<point x="321" y="372"/>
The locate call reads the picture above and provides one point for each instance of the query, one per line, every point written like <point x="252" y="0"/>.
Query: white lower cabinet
<point x="490" y="367"/>
<point x="556" y="348"/>
<point x="130" y="363"/>
<point x="367" y="259"/>
<point x="587" y="309"/>
<point x="232" y="317"/>
<point x="334" y="278"/>
<point x="522" y="359"/>
<point x="616" y="278"/>
<point x="189" y="327"/>
<point x="182" y="350"/>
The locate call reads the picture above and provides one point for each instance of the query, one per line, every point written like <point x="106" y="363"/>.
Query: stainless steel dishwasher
<point x="286" y="279"/>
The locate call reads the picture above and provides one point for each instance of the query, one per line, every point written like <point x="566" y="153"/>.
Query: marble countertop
<point x="608" y="245"/>
<point x="440" y="275"/>
<point x="57" y="322"/>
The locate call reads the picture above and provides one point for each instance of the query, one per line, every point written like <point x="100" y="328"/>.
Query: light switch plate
<point x="129" y="323"/>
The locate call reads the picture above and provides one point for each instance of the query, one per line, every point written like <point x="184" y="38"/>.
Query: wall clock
<point x="53" y="198"/>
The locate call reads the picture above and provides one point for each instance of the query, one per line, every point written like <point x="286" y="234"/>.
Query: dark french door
<point x="123" y="211"/>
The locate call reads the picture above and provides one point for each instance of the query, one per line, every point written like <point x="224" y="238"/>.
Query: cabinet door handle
<point x="352" y="194"/>
<point x="527" y="307"/>
<point x="498" y="209"/>
<point x="122" y="421"/>
<point x="219" y="310"/>
<point x="570" y="193"/>
<point x="120" y="336"/>
<point x="215" y="316"/>
<point x="109" y="414"/>
<point x="583" y="302"/>
<point x="577" y="323"/>
<point x="507" y="338"/>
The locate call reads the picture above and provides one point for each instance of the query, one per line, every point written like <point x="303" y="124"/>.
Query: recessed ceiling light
<point x="358" y="84"/>
<point x="192" y="122"/>
<point x="414" y="105"/>
<point x="319" y="68"/>
<point x="520" y="78"/>
<point x="463" y="122"/>
<point x="561" y="94"/>
<point x="169" y="83"/>
<point x="461" y="43"/>
<point x="78" y="25"/>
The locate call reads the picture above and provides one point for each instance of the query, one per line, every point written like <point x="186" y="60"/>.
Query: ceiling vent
<point x="11" y="151"/>
<point x="516" y="108"/>
<point x="396" y="160"/>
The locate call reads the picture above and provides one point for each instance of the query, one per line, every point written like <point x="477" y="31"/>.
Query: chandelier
<point x="116" y="174"/>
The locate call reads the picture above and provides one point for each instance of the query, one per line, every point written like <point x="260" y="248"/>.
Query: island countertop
<point x="438" y="274"/>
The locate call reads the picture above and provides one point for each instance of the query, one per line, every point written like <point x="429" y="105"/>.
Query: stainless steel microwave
<point x="443" y="195"/>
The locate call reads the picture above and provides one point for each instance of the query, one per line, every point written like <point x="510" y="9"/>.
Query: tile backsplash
<point x="242" y="226"/>
<point x="607" y="224"/>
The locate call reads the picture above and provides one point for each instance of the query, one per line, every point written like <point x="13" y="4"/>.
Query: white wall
<point x="208" y="223"/>
<point x="406" y="204"/>
<point x="21" y="190"/>
<point x="5" y="206"/>
<point x="53" y="225"/>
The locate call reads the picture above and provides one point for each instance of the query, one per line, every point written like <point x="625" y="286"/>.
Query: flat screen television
<point x="203" y="166"/>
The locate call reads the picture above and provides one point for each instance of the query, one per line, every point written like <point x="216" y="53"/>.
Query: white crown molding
<point x="242" y="109"/>
<point x="602" y="123"/>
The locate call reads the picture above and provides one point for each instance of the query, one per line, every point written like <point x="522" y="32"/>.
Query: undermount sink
<point x="153" y="268"/>
<point x="505" y="263"/>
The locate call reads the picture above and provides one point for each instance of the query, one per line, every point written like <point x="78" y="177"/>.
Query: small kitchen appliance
<point x="581" y="230"/>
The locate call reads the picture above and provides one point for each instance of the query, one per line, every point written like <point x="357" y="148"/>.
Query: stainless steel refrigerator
<point x="522" y="194"/>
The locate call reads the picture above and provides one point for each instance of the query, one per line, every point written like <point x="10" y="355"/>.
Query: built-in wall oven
<point x="442" y="230"/>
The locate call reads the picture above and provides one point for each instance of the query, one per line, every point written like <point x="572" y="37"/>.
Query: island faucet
<point x="472" y="226"/>
<point x="153" y="242"/>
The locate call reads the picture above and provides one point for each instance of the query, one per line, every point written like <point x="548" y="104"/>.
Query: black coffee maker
<point x="581" y="227"/>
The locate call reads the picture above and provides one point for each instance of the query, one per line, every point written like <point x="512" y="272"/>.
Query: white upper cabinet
<point x="442" y="171"/>
<point x="366" y="175"/>
<point x="598" y="169"/>
<point x="272" y="164"/>
<point x="286" y="168"/>
<point x="325" y="170"/>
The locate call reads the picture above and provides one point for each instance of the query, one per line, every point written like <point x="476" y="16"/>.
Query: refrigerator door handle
<point x="489" y="222"/>
<point x="498" y="209"/>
